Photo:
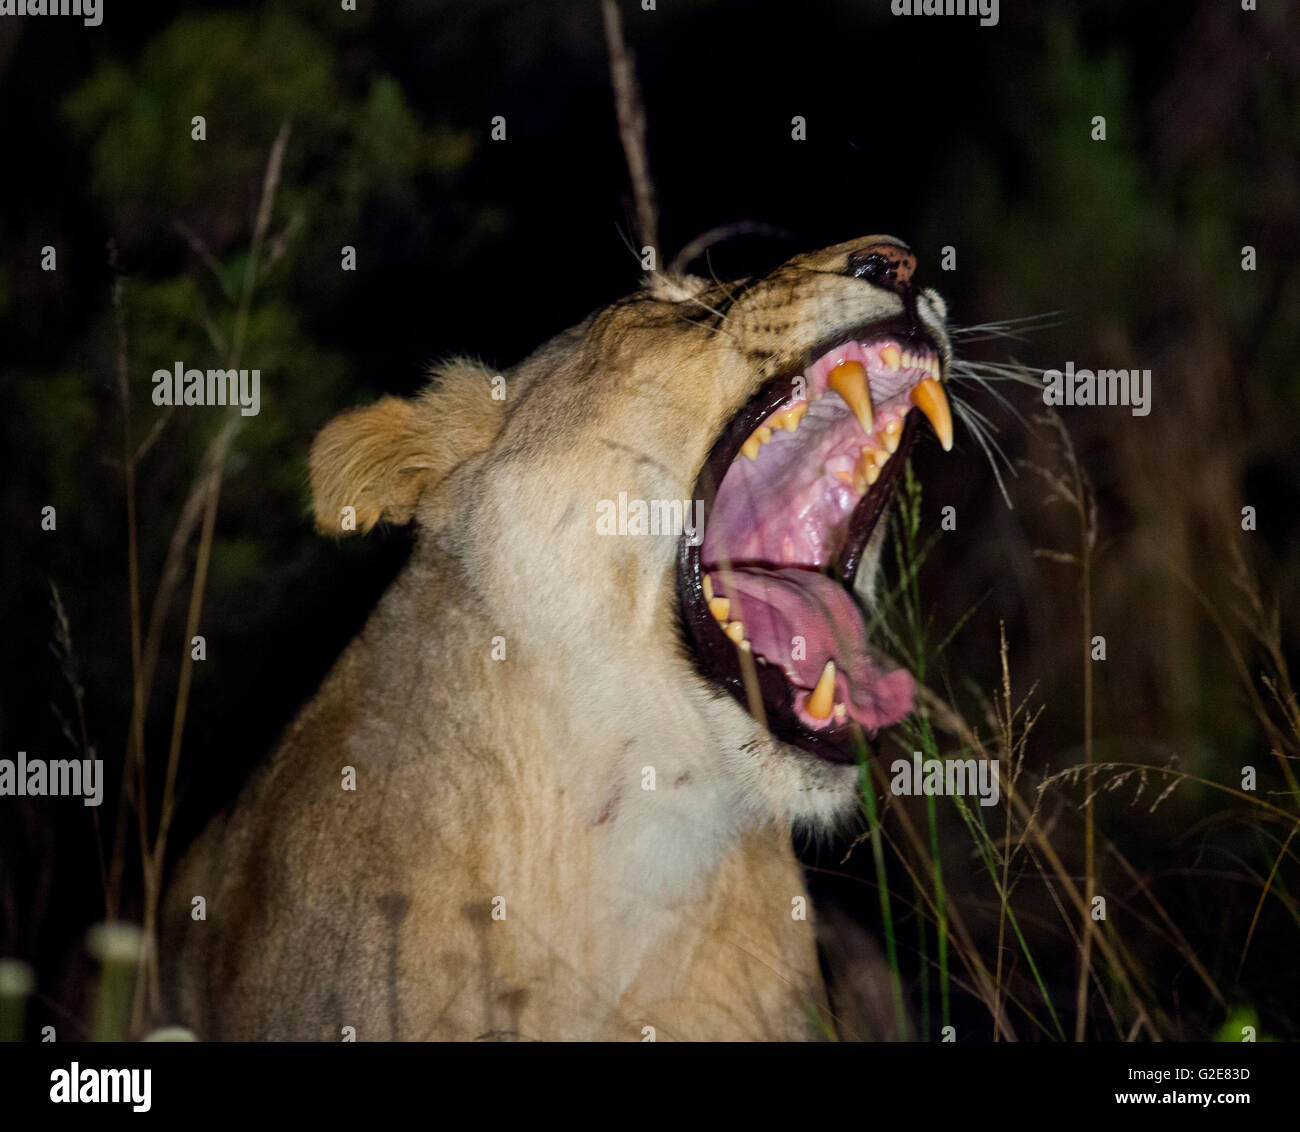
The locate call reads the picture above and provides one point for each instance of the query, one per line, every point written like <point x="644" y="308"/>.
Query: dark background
<point x="932" y="129"/>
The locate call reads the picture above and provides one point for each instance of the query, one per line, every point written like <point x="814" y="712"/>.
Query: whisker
<point x="992" y="450"/>
<point x="971" y="374"/>
<point x="1008" y="328"/>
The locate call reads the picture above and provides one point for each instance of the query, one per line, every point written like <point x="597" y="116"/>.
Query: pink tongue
<point x="782" y="608"/>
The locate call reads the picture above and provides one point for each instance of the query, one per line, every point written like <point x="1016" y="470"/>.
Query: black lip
<point x="715" y="656"/>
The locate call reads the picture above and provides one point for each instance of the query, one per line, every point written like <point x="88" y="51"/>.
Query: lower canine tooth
<point x="929" y="397"/>
<point x="735" y="631"/>
<point x="720" y="607"/>
<point x="823" y="696"/>
<point x="849" y="380"/>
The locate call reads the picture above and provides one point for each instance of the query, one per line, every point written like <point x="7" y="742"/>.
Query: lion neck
<point x="597" y="803"/>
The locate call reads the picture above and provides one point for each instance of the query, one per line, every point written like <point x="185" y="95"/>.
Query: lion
<point x="549" y="791"/>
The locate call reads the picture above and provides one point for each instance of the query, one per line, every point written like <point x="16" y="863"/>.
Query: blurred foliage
<point x="1235" y="1024"/>
<point x="356" y="149"/>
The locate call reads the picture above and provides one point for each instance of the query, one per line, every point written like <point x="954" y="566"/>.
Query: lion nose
<point x="886" y="265"/>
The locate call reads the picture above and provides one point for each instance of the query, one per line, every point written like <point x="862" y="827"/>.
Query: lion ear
<point x="376" y="463"/>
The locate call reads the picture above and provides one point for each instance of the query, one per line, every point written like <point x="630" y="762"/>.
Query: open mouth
<point x="792" y="492"/>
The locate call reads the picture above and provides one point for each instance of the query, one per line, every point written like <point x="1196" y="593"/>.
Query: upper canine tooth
<point x="823" y="696"/>
<point x="929" y="397"/>
<point x="849" y="380"/>
<point x="891" y="357"/>
<point x="720" y="607"/>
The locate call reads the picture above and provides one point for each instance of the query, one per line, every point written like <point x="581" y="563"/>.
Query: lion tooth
<point x="720" y="607"/>
<point x="893" y="434"/>
<point x="849" y="380"/>
<point x="841" y="713"/>
<point x="929" y="397"/>
<point x="891" y="357"/>
<point x="708" y="588"/>
<point x="870" y="461"/>
<point x="823" y="696"/>
<point x="757" y="439"/>
<point x="789" y="420"/>
<point x="865" y="461"/>
<point x="735" y="630"/>
<point x="908" y="360"/>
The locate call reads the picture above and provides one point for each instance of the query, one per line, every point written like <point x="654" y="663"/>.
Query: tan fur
<point x="500" y="869"/>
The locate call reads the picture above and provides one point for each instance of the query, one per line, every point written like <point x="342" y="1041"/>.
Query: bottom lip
<point x="764" y="689"/>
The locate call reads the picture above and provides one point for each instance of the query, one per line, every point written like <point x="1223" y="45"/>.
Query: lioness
<point x="548" y="791"/>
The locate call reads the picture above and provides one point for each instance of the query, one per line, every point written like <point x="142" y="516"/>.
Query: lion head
<point x="673" y="512"/>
